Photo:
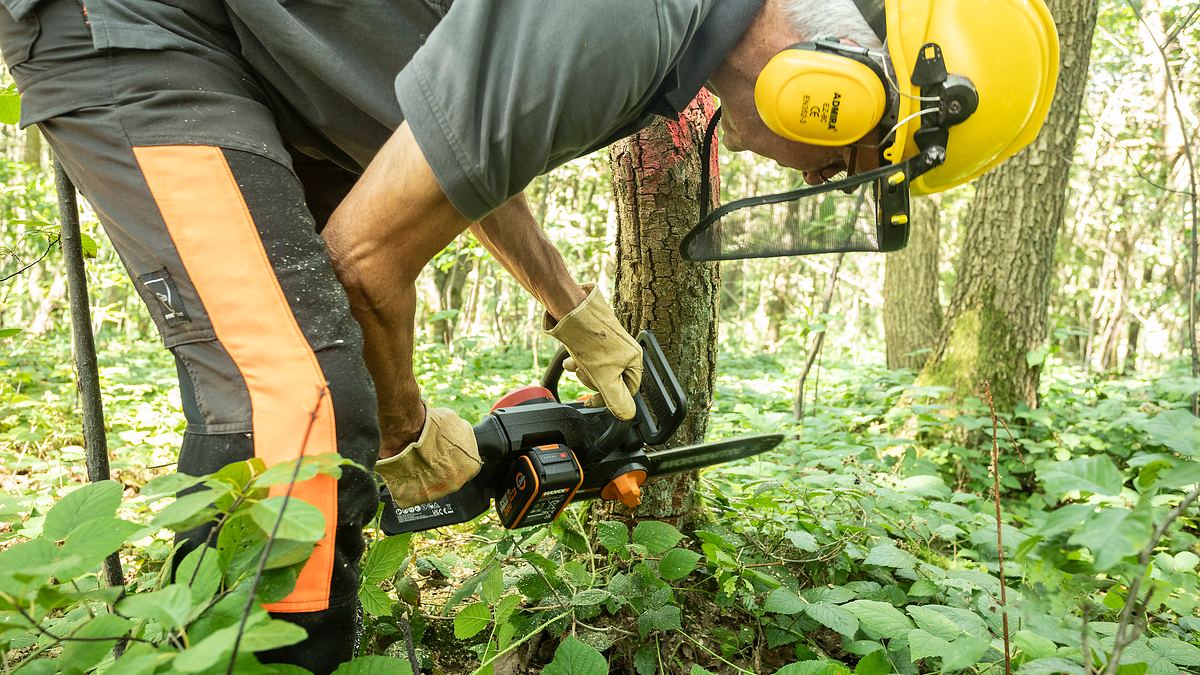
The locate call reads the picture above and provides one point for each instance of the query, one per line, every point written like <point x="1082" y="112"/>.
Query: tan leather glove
<point x="439" y="462"/>
<point x="603" y="355"/>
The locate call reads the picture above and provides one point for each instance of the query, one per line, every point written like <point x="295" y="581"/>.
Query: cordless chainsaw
<point x="541" y="454"/>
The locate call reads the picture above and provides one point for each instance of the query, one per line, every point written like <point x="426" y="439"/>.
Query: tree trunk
<point x="912" y="309"/>
<point x="656" y="178"/>
<point x="998" y="312"/>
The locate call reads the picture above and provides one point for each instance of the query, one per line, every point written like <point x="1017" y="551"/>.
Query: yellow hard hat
<point x="1006" y="49"/>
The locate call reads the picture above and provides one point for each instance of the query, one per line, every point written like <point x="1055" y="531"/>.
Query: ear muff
<point x="821" y="94"/>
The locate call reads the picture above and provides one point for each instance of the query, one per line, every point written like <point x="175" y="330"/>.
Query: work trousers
<point x="180" y="153"/>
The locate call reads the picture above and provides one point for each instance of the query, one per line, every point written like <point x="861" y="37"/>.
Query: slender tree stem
<point x="987" y="388"/>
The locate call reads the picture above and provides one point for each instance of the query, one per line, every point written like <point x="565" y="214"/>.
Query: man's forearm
<point x="515" y="238"/>
<point x="394" y="220"/>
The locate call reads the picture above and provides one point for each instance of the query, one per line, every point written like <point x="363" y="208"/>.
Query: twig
<point x="262" y="559"/>
<point x="1126" y="631"/>
<point x="518" y="643"/>
<point x="49" y="247"/>
<point x="987" y="388"/>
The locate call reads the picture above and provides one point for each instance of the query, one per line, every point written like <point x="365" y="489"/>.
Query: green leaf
<point x="965" y="652"/>
<point x="93" y="500"/>
<point x="301" y="521"/>
<point x="201" y="572"/>
<point x="87" y="246"/>
<point x="814" y="668"/>
<point x="1177" y="651"/>
<point x="656" y="536"/>
<point x="271" y="634"/>
<point x="802" y="540"/>
<point x="1176" y="429"/>
<point x="9" y="332"/>
<point x="934" y="622"/>
<point x="493" y="585"/>
<point x="613" y="535"/>
<point x="875" y="663"/>
<point x="575" y="657"/>
<point x="169" y="484"/>
<point x="1055" y="665"/>
<point x="677" y="564"/>
<point x="923" y="645"/>
<point x="375" y="601"/>
<point x="783" y="601"/>
<point x="471" y="619"/>
<point x="1114" y="534"/>
<point x="10" y="106"/>
<point x="834" y="617"/>
<point x="93" y="541"/>
<point x="188" y="511"/>
<point x="83" y="654"/>
<point x="665" y="618"/>
<point x="1033" y="645"/>
<point x="645" y="660"/>
<point x="887" y="555"/>
<point x="385" y="557"/>
<point x="505" y="608"/>
<point x="374" y="665"/>
<point x="1097" y="475"/>
<point x="170" y="606"/>
<point x="879" y="619"/>
<point x="590" y="597"/>
<point x="1065" y="518"/>
<point x="328" y="464"/>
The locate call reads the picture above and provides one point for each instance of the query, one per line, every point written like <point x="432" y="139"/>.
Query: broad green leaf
<point x="1034" y="645"/>
<point x="591" y="596"/>
<point x="834" y="617"/>
<point x="471" y="619"/>
<point x="678" y="563"/>
<point x="923" y="645"/>
<point x="271" y="634"/>
<point x="9" y="332"/>
<point x="1177" y="651"/>
<point x="93" y="500"/>
<point x="575" y="657"/>
<point x="374" y="665"/>
<point x="656" y="536"/>
<point x="1176" y="429"/>
<point x="201" y="573"/>
<point x="328" y="464"/>
<point x="783" y="601"/>
<point x="613" y="535"/>
<point x="92" y="542"/>
<point x="814" y="668"/>
<point x="835" y="595"/>
<point x="802" y="540"/>
<point x="875" y="663"/>
<point x="879" y="619"/>
<point x="10" y="106"/>
<point x="645" y="661"/>
<point x="1114" y="534"/>
<point x="1097" y="475"/>
<point x="188" y="511"/>
<point x="1054" y="665"/>
<point x="83" y="654"/>
<point x="1065" y="518"/>
<point x="493" y="585"/>
<point x="665" y="618"/>
<point x="300" y="521"/>
<point x="87" y="246"/>
<point x="171" y="606"/>
<point x="385" y="557"/>
<point x="970" y="622"/>
<point x="375" y="601"/>
<point x="505" y="608"/>
<point x="169" y="484"/>
<point x="696" y="670"/>
<point x="965" y="652"/>
<point x="887" y="555"/>
<point x="934" y="622"/>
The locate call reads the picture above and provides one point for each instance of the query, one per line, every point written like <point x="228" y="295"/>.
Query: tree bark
<point x="998" y="312"/>
<point x="912" y="309"/>
<point x="656" y="179"/>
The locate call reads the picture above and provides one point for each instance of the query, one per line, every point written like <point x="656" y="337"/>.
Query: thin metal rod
<point x="87" y="372"/>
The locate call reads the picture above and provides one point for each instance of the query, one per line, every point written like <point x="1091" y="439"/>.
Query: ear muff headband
<point x="821" y="93"/>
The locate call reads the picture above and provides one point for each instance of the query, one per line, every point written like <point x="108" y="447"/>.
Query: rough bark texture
<point x="656" y="180"/>
<point x="998" y="311"/>
<point x="912" y="309"/>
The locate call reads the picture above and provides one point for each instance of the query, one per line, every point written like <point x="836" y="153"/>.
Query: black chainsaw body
<point x="540" y="454"/>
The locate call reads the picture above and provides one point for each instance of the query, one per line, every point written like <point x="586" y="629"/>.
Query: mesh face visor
<point x="865" y="212"/>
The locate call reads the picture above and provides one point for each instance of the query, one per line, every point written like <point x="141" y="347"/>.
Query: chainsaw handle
<point x="554" y="372"/>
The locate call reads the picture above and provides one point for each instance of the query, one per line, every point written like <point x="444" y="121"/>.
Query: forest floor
<point x="866" y="543"/>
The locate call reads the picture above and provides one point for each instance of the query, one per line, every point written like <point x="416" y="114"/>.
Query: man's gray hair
<point x="815" y="19"/>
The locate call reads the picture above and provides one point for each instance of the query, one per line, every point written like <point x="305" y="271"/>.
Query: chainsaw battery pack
<point x="538" y="486"/>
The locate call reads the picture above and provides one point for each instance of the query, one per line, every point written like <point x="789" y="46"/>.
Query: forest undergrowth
<point x="866" y="543"/>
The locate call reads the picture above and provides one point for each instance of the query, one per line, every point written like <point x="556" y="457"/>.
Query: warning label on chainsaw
<point x="423" y="511"/>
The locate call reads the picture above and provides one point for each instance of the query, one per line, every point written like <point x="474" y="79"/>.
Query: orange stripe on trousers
<point x="219" y="245"/>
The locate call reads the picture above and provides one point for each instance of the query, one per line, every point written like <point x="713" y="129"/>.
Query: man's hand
<point x="603" y="354"/>
<point x="439" y="462"/>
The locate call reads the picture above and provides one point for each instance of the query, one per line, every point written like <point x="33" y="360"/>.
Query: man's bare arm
<point x="515" y="238"/>
<point x="394" y="220"/>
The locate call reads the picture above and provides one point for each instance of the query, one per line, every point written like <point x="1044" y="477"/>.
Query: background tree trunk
<point x="998" y="312"/>
<point x="656" y="179"/>
<point x="912" y="308"/>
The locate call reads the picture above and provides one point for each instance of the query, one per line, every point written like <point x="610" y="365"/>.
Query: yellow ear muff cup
<point x="819" y="98"/>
